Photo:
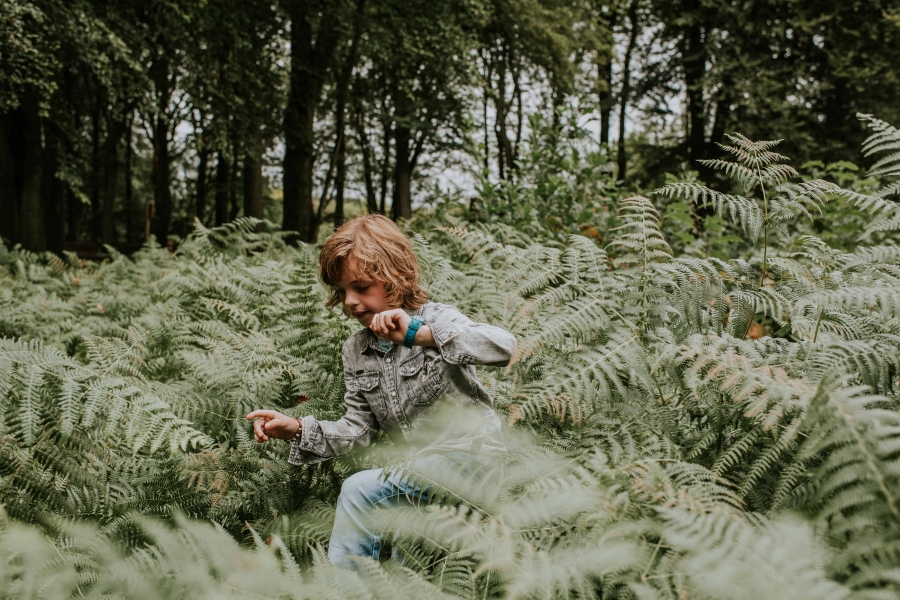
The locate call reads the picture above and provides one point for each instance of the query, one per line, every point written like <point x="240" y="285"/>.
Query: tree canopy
<point x="120" y="120"/>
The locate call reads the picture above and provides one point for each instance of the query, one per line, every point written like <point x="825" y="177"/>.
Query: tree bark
<point x="694" y="57"/>
<point x="223" y="179"/>
<point x="606" y="100"/>
<point x="253" y="180"/>
<point x="96" y="191"/>
<point x="402" y="208"/>
<point x="311" y="57"/>
<point x="53" y="192"/>
<point x="233" y="184"/>
<point x="485" y="59"/>
<point x="202" y="173"/>
<point x="112" y="164"/>
<point x="343" y="86"/>
<point x="340" y="181"/>
<point x="626" y="87"/>
<point x="32" y="215"/>
<point x="365" y="150"/>
<point x="9" y="197"/>
<point x="162" y="193"/>
<point x="605" y="97"/>
<point x="520" y="118"/>
<point x="720" y="122"/>
<point x="505" y="158"/>
<point x="135" y="212"/>
<point x="386" y="151"/>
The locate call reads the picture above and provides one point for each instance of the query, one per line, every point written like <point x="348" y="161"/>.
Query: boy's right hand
<point x="273" y="424"/>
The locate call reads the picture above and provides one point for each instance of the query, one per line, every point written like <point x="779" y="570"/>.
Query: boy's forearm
<point x="425" y="338"/>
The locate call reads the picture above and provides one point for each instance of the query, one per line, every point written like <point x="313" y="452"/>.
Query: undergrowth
<point x="681" y="423"/>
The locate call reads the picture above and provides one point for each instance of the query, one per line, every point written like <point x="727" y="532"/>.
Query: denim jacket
<point x="428" y="397"/>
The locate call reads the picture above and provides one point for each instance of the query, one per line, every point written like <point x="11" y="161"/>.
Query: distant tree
<point x="56" y="59"/>
<point x="419" y="53"/>
<point x="315" y="34"/>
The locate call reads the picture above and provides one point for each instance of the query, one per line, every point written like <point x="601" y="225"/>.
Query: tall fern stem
<point x="762" y="187"/>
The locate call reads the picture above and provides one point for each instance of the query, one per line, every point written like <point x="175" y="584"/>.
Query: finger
<point x="274" y="423"/>
<point x="268" y="414"/>
<point x="258" y="430"/>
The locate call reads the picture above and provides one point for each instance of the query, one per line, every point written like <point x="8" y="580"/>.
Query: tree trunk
<point x="223" y="179"/>
<point x="626" y="87"/>
<point x="386" y="162"/>
<point x="233" y="183"/>
<point x="202" y="173"/>
<point x="517" y="92"/>
<point x="366" y="151"/>
<point x="606" y="100"/>
<point x="505" y="158"/>
<point x="487" y="91"/>
<point x="325" y="198"/>
<point x="135" y="212"/>
<point x="311" y="57"/>
<point x="343" y="85"/>
<point x="53" y="192"/>
<point x="9" y="197"/>
<point x="112" y="163"/>
<point x="339" y="183"/>
<point x="253" y="180"/>
<point x="32" y="215"/>
<point x="605" y="97"/>
<point x="75" y="207"/>
<point x="162" y="193"/>
<point x="402" y="167"/>
<point x="720" y="121"/>
<point x="96" y="189"/>
<point x="694" y="59"/>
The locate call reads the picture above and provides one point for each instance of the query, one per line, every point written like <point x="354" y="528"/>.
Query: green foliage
<point x="558" y="188"/>
<point x="679" y="422"/>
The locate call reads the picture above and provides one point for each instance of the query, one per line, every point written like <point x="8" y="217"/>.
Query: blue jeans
<point x="356" y="532"/>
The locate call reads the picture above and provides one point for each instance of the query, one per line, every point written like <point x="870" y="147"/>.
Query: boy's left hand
<point x="391" y="325"/>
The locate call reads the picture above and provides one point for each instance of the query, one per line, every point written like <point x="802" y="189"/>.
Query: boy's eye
<point x="362" y="288"/>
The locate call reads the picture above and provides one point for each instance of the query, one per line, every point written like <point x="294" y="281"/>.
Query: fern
<point x="677" y="424"/>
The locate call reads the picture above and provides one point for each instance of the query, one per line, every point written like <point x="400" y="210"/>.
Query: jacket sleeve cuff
<point x="443" y="332"/>
<point x="309" y="448"/>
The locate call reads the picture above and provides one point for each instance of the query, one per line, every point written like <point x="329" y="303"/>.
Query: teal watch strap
<point x="411" y="331"/>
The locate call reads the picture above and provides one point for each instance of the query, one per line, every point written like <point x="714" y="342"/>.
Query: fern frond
<point x="741" y="211"/>
<point x="713" y="546"/>
<point x="639" y="236"/>
<point x="885" y="300"/>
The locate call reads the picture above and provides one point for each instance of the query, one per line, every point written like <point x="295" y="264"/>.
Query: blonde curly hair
<point x="380" y="251"/>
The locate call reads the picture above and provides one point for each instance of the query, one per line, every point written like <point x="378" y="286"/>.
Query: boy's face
<point x="361" y="296"/>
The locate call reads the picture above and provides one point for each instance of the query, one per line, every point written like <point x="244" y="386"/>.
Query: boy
<point x="409" y="372"/>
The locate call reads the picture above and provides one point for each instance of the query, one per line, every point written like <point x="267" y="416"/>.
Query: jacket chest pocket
<point x="425" y="379"/>
<point x="363" y="382"/>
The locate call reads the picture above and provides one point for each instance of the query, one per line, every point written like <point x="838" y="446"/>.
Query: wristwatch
<point x="411" y="331"/>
